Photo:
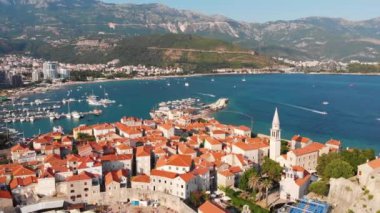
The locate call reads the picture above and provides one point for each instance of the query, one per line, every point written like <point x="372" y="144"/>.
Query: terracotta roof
<point x="334" y="142"/>
<point x="141" y="178"/>
<point x="187" y="177"/>
<point x="103" y="126"/>
<point x="5" y="194"/>
<point x="302" y="181"/>
<point x="80" y="177"/>
<point x="298" y="168"/>
<point x="142" y="151"/>
<point x="250" y="146"/>
<point x="212" y="141"/>
<point x="179" y="160"/>
<point x="374" y="163"/>
<point x="22" y="181"/>
<point x="226" y="173"/>
<point x="116" y="157"/>
<point x="22" y="171"/>
<point x="18" y="147"/>
<point x="313" y="147"/>
<point x="161" y="173"/>
<point x="209" y="207"/>
<point x="244" y="128"/>
<point x="301" y="139"/>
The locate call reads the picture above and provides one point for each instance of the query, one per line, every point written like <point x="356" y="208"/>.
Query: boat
<point x="58" y="129"/>
<point x="56" y="106"/>
<point x="31" y="119"/>
<point x="75" y="115"/>
<point x="212" y="80"/>
<point x="325" y="102"/>
<point x="120" y="105"/>
<point x="57" y="116"/>
<point x="51" y="116"/>
<point x="97" y="111"/>
<point x="22" y="119"/>
<point x="14" y="120"/>
<point x="7" y="120"/>
<point x="243" y="79"/>
<point x="187" y="84"/>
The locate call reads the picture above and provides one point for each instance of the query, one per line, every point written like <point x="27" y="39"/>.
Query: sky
<point x="272" y="10"/>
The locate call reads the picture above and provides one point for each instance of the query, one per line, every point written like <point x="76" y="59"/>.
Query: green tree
<point x="284" y="147"/>
<point x="272" y="169"/>
<point x="324" y="160"/>
<point x="244" y="179"/>
<point x="338" y="168"/>
<point x="267" y="184"/>
<point x="319" y="187"/>
<point x="356" y="157"/>
<point x="253" y="183"/>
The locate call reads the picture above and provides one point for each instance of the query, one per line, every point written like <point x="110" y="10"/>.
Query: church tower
<point x="275" y="138"/>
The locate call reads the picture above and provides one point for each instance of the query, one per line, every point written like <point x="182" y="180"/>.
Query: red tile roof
<point x="301" y="139"/>
<point x="374" y="163"/>
<point x="209" y="207"/>
<point x="313" y="147"/>
<point x="5" y="194"/>
<point x="161" y="173"/>
<point x="141" y="178"/>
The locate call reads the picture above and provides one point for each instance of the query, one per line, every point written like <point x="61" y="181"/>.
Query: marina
<point x="299" y="97"/>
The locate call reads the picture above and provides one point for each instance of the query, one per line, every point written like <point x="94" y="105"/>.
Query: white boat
<point x="22" y="120"/>
<point x="187" y="84"/>
<point x="31" y="119"/>
<point x="14" y="120"/>
<point x="243" y="79"/>
<point x="57" y="116"/>
<point x="51" y="116"/>
<point x="168" y="84"/>
<point x="212" y="80"/>
<point x="325" y="102"/>
<point x="75" y="115"/>
<point x="97" y="111"/>
<point x="56" y="106"/>
<point x="7" y="120"/>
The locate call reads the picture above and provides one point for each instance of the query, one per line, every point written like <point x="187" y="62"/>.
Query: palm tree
<point x="253" y="182"/>
<point x="267" y="184"/>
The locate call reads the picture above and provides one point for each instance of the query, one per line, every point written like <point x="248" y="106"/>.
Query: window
<point x="181" y="186"/>
<point x="72" y="191"/>
<point x="72" y="185"/>
<point x="85" y="189"/>
<point x="85" y="195"/>
<point x="85" y="183"/>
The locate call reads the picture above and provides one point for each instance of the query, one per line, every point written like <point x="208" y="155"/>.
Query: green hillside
<point x="191" y="52"/>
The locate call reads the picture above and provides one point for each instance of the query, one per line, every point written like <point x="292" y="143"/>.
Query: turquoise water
<point x="353" y="112"/>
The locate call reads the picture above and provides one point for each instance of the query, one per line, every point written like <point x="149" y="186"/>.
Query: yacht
<point x="75" y="115"/>
<point x="97" y="111"/>
<point x="22" y="119"/>
<point x="186" y="84"/>
<point x="325" y="102"/>
<point x="51" y="116"/>
<point x="14" y="120"/>
<point x="31" y="119"/>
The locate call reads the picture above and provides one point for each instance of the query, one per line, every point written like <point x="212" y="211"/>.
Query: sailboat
<point x="68" y="115"/>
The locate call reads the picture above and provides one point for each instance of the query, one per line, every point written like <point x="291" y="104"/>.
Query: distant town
<point x="17" y="71"/>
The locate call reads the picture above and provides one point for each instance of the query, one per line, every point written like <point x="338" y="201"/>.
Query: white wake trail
<point x="306" y="109"/>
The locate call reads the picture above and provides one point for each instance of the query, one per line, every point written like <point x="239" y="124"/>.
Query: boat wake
<point x="207" y="94"/>
<point x="306" y="109"/>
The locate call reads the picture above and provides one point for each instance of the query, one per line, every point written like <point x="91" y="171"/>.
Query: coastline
<point x="25" y="92"/>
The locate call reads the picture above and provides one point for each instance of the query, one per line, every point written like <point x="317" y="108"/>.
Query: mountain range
<point x="60" y="21"/>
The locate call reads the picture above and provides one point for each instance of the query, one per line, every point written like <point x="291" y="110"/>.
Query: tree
<point x="338" y="168"/>
<point x="324" y="160"/>
<point x="253" y="184"/>
<point x="267" y="184"/>
<point x="319" y="187"/>
<point x="272" y="169"/>
<point x="356" y="157"/>
<point x="244" y="179"/>
<point x="284" y="147"/>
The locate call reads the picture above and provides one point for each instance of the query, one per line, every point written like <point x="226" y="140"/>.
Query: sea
<point x="321" y="107"/>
